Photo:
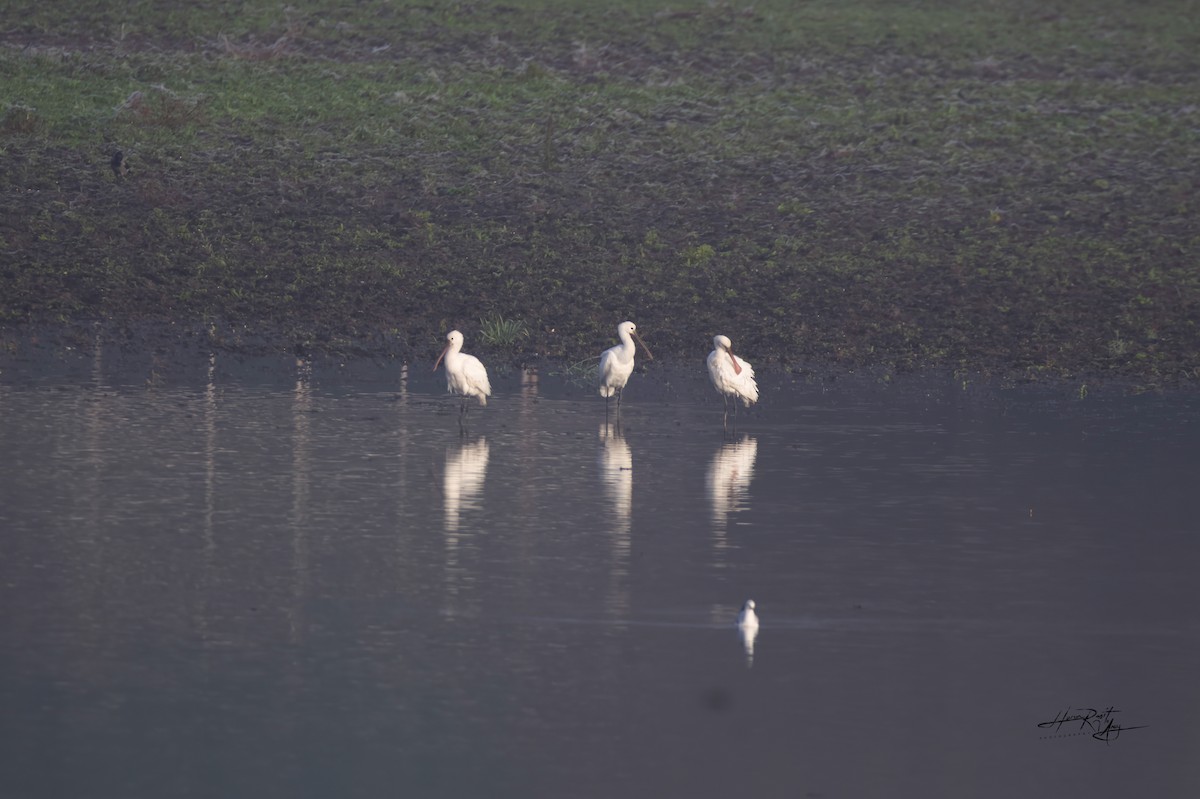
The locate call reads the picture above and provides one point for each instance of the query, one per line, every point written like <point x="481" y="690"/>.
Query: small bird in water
<point x="748" y="619"/>
<point x="465" y="374"/>
<point x="616" y="363"/>
<point x="748" y="629"/>
<point x="731" y="377"/>
<point x="119" y="164"/>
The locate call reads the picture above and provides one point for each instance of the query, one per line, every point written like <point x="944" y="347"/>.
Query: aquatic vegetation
<point x="581" y="373"/>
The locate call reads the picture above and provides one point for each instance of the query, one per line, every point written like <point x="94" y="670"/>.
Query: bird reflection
<point x="466" y="466"/>
<point x="302" y="440"/>
<point x="616" y="473"/>
<point x="462" y="486"/>
<point x="209" y="425"/>
<point x="729" y="476"/>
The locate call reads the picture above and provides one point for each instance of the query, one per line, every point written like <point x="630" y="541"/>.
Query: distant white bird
<point x="616" y="363"/>
<point x="748" y="629"/>
<point x="748" y="619"/>
<point x="731" y="377"/>
<point x="465" y="375"/>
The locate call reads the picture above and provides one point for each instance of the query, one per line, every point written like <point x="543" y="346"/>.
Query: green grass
<point x="1007" y="186"/>
<point x="496" y="331"/>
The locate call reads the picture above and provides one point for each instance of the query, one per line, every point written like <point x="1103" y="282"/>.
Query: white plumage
<point x="748" y="619"/>
<point x="465" y="374"/>
<point x="731" y="376"/>
<point x="748" y="630"/>
<point x="616" y="363"/>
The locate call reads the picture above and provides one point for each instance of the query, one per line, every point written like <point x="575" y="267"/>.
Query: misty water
<point x="298" y="581"/>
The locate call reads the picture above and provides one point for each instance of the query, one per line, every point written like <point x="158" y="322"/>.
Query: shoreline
<point x="157" y="355"/>
<point x="834" y="187"/>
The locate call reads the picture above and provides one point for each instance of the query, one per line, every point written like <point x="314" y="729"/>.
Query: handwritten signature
<point x="1101" y="722"/>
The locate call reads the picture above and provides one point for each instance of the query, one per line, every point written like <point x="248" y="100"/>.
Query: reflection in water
<point x="400" y="474"/>
<point x="466" y="466"/>
<point x="527" y="448"/>
<point x="93" y="559"/>
<point x="462" y="487"/>
<point x="209" y="425"/>
<point x="402" y="397"/>
<point x="529" y="383"/>
<point x="729" y="475"/>
<point x="210" y="453"/>
<point x="96" y="424"/>
<point x="225" y="554"/>
<point x="616" y="472"/>
<point x="302" y="406"/>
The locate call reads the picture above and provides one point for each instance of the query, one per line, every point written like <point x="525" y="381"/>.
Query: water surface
<point x="294" y="582"/>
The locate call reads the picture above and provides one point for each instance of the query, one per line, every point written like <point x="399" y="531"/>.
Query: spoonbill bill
<point x="731" y="377"/>
<point x="465" y="374"/>
<point x="616" y="363"/>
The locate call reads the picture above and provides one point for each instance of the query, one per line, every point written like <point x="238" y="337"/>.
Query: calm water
<point x="231" y="582"/>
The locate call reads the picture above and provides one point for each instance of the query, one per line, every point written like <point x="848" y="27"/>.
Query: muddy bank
<point x="868" y="187"/>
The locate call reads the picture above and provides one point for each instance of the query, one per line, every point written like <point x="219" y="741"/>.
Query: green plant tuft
<point x="498" y="331"/>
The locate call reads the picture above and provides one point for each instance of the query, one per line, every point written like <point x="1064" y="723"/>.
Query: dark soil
<point x="892" y="199"/>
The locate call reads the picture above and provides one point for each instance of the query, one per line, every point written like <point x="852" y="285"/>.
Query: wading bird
<point x="731" y="377"/>
<point x="616" y="363"/>
<point x="465" y="374"/>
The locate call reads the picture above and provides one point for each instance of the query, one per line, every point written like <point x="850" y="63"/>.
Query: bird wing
<point x="477" y="375"/>
<point x="714" y="370"/>
<point x="745" y="383"/>
<point x="607" y="360"/>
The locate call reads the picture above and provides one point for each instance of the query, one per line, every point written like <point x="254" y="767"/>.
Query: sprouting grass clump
<point x="499" y="331"/>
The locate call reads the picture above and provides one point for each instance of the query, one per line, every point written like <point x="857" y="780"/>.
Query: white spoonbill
<point x="465" y="374"/>
<point x="731" y="377"/>
<point x="616" y="363"/>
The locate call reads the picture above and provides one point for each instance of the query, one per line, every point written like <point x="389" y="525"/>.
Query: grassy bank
<point x="1007" y="186"/>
